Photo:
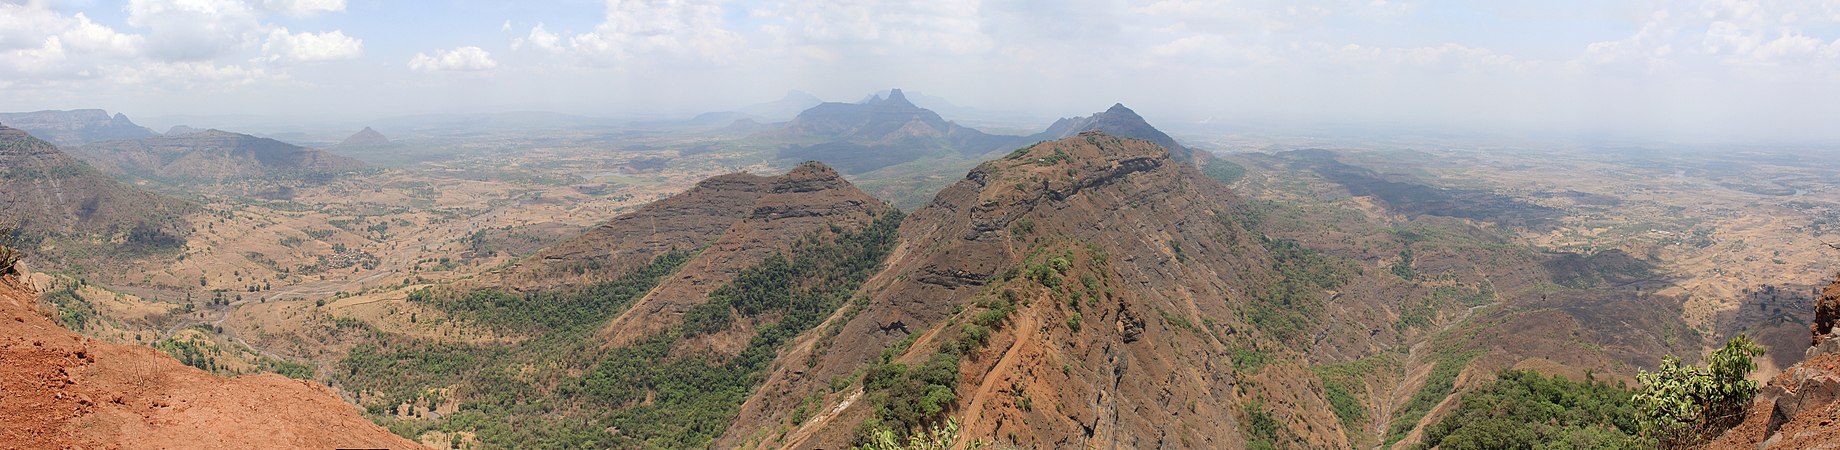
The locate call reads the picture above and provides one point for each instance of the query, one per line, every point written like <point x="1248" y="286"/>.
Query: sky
<point x="1662" y="69"/>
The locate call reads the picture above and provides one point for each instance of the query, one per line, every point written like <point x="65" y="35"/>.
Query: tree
<point x="1684" y="405"/>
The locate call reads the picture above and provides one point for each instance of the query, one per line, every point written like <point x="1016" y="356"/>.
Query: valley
<point x="622" y="287"/>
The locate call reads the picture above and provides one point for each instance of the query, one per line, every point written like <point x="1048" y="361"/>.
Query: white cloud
<point x="898" y="26"/>
<point x="303" y="7"/>
<point x="539" y="39"/>
<point x="463" y="59"/>
<point x="308" y="46"/>
<point x="40" y="44"/>
<point x="685" y="28"/>
<point x="195" y="30"/>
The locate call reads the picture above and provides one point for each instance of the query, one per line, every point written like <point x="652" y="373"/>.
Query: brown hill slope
<point x="745" y="205"/>
<point x="67" y="391"/>
<point x="46" y="192"/>
<point x="213" y="154"/>
<point x="807" y="200"/>
<point x="1062" y="287"/>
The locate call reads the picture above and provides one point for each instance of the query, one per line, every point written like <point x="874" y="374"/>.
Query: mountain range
<point x="212" y="154"/>
<point x="76" y="127"/>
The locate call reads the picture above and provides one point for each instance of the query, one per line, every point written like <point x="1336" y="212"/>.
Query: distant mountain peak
<point x="1116" y="121"/>
<point x="365" y="137"/>
<point x="76" y="127"/>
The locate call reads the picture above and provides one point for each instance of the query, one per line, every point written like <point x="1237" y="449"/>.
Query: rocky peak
<point x="896" y="98"/>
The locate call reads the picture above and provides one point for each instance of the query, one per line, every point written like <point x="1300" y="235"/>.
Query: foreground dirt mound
<point x="62" y="390"/>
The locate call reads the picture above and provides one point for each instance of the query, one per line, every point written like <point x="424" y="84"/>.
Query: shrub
<point x="941" y="437"/>
<point x="1683" y="405"/>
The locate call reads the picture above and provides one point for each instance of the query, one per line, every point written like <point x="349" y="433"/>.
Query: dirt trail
<point x="1026" y="326"/>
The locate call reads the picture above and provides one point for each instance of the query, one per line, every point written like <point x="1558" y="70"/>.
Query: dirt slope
<point x="61" y="390"/>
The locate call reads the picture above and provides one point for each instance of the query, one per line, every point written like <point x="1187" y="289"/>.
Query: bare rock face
<point x="76" y="127"/>
<point x="1826" y="311"/>
<point x="67" y="391"/>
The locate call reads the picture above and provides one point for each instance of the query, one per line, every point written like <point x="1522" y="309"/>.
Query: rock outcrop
<point x="63" y="390"/>
<point x="1800" y="407"/>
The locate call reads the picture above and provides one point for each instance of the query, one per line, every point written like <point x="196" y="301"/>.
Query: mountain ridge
<point x="213" y="154"/>
<point x="76" y="127"/>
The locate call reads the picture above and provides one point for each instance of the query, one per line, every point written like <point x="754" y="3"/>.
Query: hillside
<point x="1054" y="297"/>
<point x="68" y="391"/>
<point x="76" y="127"/>
<point x="877" y="133"/>
<point x="213" y="155"/>
<point x="656" y="324"/>
<point x="46" y="193"/>
<point x="732" y="207"/>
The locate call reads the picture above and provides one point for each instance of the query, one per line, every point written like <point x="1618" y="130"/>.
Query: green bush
<point x="1527" y="410"/>
<point x="1683" y="406"/>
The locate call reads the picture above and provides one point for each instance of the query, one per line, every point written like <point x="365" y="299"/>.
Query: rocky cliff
<point x="1800" y="407"/>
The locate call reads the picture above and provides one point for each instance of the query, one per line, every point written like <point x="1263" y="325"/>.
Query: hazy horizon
<point x="1664" y="70"/>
